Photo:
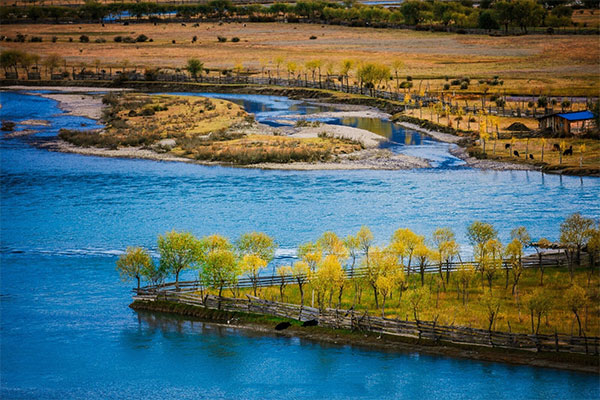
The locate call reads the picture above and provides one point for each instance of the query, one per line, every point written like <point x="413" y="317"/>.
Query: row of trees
<point x="12" y="60"/>
<point x="330" y="264"/>
<point x="490" y="15"/>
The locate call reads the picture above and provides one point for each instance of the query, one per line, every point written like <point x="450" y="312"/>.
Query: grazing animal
<point x="282" y="325"/>
<point x="556" y="147"/>
<point x="516" y="153"/>
<point x="568" y="152"/>
<point x="311" y="322"/>
<point x="507" y="146"/>
<point x="531" y="156"/>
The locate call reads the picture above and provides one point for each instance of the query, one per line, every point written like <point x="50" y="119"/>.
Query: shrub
<point x="406" y="85"/>
<point x="221" y="39"/>
<point x="409" y="78"/>
<point x="100" y="40"/>
<point x="128" y="39"/>
<point x="54" y="39"/>
<point x="84" y="39"/>
<point x="313" y="37"/>
<point x="455" y="82"/>
<point x="20" y="38"/>
<point x="70" y="39"/>
<point x="118" y="39"/>
<point x="464" y="85"/>
<point x="500" y="102"/>
<point x="35" y="39"/>
<point x="235" y="39"/>
<point x="141" y="38"/>
<point x="173" y="41"/>
<point x="447" y="86"/>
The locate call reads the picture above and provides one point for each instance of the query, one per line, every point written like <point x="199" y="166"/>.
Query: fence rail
<point x="362" y="321"/>
<point x="356" y="273"/>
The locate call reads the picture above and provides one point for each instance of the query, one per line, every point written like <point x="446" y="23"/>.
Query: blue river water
<point x="66" y="331"/>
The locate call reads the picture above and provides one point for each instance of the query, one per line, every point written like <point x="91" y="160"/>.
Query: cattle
<point x="531" y="156"/>
<point x="310" y="322"/>
<point x="556" y="147"/>
<point x="568" y="152"/>
<point x="507" y="146"/>
<point x="516" y="153"/>
<point x="282" y="325"/>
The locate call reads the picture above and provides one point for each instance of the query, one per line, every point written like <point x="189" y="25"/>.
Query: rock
<point x="282" y="325"/>
<point x="8" y="126"/>
<point x="165" y="144"/>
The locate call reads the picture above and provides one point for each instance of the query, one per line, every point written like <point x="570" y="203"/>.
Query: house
<point x="570" y="123"/>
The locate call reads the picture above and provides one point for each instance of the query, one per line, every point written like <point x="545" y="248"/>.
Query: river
<point x="66" y="330"/>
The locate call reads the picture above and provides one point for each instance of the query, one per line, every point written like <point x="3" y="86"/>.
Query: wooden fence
<point x="356" y="273"/>
<point x="362" y="321"/>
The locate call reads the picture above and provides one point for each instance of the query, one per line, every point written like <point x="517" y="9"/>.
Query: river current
<point x="66" y="331"/>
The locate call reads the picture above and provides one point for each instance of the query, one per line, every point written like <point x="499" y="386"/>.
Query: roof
<point x="577" y="116"/>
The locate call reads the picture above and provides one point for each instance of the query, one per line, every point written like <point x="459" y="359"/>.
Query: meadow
<point x="552" y="65"/>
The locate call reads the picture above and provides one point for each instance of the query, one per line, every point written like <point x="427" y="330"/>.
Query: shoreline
<point x="350" y="107"/>
<point x="370" y="340"/>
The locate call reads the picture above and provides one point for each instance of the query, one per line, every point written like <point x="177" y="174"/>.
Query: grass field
<point x="532" y="64"/>
<point x="447" y="304"/>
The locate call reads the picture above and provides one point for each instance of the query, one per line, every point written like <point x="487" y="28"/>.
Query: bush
<point x="128" y="39"/>
<point x="409" y="78"/>
<point x="447" y="86"/>
<point x="141" y="38"/>
<point x="235" y="39"/>
<point x="118" y="39"/>
<point x="35" y="39"/>
<point x="406" y="85"/>
<point x="70" y="39"/>
<point x="54" y="39"/>
<point x="100" y="40"/>
<point x="221" y="39"/>
<point x="84" y="39"/>
<point x="313" y="37"/>
<point x="464" y="85"/>
<point x="500" y="102"/>
<point x="455" y="82"/>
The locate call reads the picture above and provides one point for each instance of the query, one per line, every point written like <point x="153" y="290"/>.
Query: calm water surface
<point x="66" y="331"/>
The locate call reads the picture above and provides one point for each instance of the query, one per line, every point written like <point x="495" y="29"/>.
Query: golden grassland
<point x="589" y="17"/>
<point x="586" y="158"/>
<point x="531" y="64"/>
<point x="447" y="304"/>
<point x="204" y="129"/>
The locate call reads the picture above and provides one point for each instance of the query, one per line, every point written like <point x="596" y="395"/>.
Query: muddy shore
<point x="373" y="341"/>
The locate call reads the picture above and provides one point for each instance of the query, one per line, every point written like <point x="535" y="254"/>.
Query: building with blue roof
<point x="570" y="123"/>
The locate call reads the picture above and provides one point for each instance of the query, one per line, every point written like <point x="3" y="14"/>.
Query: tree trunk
<point x="177" y="280"/>
<point x="138" y="281"/>
<point x="375" y="294"/>
<point x="578" y="321"/>
<point x="301" y="294"/>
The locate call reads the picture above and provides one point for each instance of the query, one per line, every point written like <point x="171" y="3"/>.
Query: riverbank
<point x="373" y="341"/>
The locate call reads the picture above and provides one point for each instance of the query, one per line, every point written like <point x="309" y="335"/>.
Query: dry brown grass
<point x="589" y="17"/>
<point x="531" y="64"/>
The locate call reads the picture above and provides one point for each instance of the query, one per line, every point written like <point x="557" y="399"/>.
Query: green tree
<point x="10" y="59"/>
<point x="194" y="67"/>
<point x="575" y="232"/>
<point x="446" y="248"/>
<point x="575" y="298"/>
<point x="220" y="269"/>
<point x="300" y="272"/>
<point x="538" y="303"/>
<point x="257" y="243"/>
<point x="179" y="251"/>
<point x="133" y="263"/>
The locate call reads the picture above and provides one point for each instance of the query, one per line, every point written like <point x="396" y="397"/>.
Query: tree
<point x="11" y="59"/>
<point x="419" y="300"/>
<point x="345" y="71"/>
<point x="492" y="261"/>
<point x="328" y="279"/>
<point x="352" y="244"/>
<point x="538" y="303"/>
<point x="487" y="21"/>
<point x="133" y="263"/>
<point x="278" y="61"/>
<point x="423" y="255"/>
<point x="514" y="252"/>
<point x="504" y="11"/>
<point x="220" y="269"/>
<point x="179" y="251"/>
<point x="384" y="285"/>
<point x="371" y="75"/>
<point x="251" y="265"/>
<point x="575" y="298"/>
<point x="403" y="244"/>
<point x="52" y="62"/>
<point x="312" y="255"/>
<point x="283" y="272"/>
<point x="479" y="233"/>
<point x="543" y="243"/>
<point x="464" y="276"/>
<point x="194" y="67"/>
<point x="331" y="244"/>
<point x="300" y="272"/>
<point x="257" y="243"/>
<point x="575" y="231"/>
<point x="527" y="13"/>
<point x="365" y="240"/>
<point x="492" y="307"/>
<point x="447" y="248"/>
